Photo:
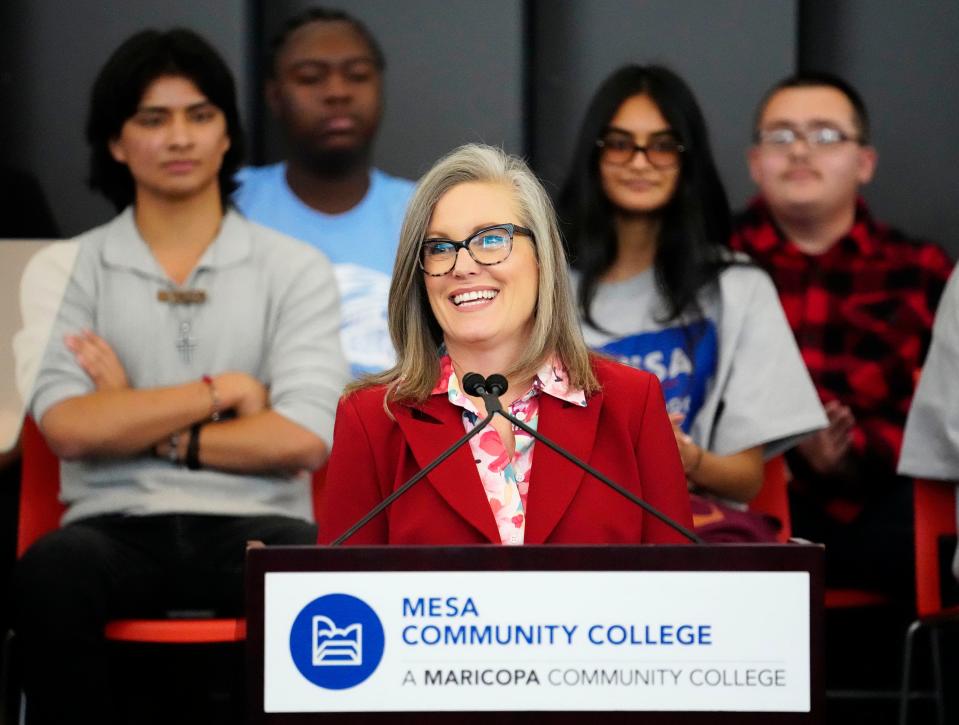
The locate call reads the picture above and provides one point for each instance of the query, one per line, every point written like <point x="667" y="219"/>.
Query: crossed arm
<point x="118" y="421"/>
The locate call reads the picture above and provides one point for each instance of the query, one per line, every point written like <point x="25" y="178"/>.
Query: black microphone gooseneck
<point x="491" y="388"/>
<point x="468" y="380"/>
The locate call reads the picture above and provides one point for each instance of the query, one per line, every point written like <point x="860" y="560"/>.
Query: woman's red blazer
<point x="623" y="432"/>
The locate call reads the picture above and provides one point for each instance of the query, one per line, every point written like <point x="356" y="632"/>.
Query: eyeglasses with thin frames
<point x="662" y="151"/>
<point x="487" y="246"/>
<point x="781" y="139"/>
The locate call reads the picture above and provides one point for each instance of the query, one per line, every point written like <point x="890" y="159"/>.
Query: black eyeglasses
<point x="488" y="246"/>
<point x="662" y="151"/>
<point x="818" y="137"/>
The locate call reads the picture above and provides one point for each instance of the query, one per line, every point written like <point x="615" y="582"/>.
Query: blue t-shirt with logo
<point x="682" y="353"/>
<point x="361" y="243"/>
<point x="683" y="357"/>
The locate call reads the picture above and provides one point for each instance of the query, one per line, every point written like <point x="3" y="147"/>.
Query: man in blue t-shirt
<point x="325" y="88"/>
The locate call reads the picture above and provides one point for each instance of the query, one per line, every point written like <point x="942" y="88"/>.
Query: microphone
<point x="386" y="502"/>
<point x="489" y="389"/>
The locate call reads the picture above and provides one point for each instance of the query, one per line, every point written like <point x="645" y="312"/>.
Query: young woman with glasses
<point x="480" y="285"/>
<point x="646" y="225"/>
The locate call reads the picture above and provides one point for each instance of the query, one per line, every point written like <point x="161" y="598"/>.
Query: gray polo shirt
<point x="271" y="310"/>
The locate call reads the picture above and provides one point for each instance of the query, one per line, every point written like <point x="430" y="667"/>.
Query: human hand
<point x="98" y="360"/>
<point x="825" y="450"/>
<point x="241" y="392"/>
<point x="691" y="454"/>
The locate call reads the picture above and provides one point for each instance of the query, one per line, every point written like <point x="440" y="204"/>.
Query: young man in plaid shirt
<point x="860" y="298"/>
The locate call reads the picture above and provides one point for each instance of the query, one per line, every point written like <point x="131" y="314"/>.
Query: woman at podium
<point x="480" y="286"/>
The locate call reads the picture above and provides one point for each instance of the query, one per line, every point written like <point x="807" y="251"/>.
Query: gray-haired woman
<point x="480" y="285"/>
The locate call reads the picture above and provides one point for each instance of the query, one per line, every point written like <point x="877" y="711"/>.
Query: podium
<point x="653" y="634"/>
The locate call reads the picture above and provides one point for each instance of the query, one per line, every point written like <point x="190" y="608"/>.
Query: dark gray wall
<point x="457" y="72"/>
<point x="57" y="49"/>
<point x="728" y="52"/>
<point x="903" y="57"/>
<point x="11" y="122"/>
<point x="454" y="75"/>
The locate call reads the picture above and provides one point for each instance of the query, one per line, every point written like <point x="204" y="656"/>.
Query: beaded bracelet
<point x="173" y="456"/>
<point x="215" y="398"/>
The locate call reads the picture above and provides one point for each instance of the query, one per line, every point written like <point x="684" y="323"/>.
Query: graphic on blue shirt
<point x="684" y="358"/>
<point x="361" y="244"/>
<point x="365" y="332"/>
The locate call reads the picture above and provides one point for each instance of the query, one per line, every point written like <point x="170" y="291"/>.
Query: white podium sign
<point x="420" y="641"/>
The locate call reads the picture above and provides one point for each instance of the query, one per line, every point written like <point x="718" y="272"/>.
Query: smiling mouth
<point x="639" y="184"/>
<point x="473" y="298"/>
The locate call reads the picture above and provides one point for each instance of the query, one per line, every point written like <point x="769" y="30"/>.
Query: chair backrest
<point x="40" y="507"/>
<point x="773" y="497"/>
<point x="935" y="515"/>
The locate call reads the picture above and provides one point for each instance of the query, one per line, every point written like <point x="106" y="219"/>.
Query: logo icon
<point x="332" y="646"/>
<point x="337" y="641"/>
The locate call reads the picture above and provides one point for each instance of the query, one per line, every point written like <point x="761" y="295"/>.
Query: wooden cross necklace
<point x="186" y="343"/>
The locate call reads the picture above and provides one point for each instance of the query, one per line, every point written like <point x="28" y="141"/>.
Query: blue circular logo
<point x="337" y="641"/>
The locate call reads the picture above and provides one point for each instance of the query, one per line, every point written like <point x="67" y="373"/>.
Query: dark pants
<point x="74" y="580"/>
<point x="9" y="508"/>
<point x="874" y="551"/>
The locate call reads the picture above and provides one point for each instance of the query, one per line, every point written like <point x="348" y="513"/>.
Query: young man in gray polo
<point x="189" y="384"/>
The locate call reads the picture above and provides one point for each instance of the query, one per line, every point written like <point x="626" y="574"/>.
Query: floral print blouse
<point x="504" y="478"/>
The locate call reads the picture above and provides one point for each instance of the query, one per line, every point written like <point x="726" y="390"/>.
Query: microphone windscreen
<point x="496" y="384"/>
<point x="474" y="384"/>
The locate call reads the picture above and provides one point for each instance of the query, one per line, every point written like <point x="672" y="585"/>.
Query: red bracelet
<point x="215" y="399"/>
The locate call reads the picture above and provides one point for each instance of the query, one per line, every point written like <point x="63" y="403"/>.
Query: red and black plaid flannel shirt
<point x="862" y="315"/>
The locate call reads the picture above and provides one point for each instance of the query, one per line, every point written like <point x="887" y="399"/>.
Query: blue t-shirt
<point x="683" y="353"/>
<point x="682" y="356"/>
<point x="361" y="243"/>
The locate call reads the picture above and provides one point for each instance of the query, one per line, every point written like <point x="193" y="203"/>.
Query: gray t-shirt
<point x="271" y="311"/>
<point x="736" y="372"/>
<point x="930" y="447"/>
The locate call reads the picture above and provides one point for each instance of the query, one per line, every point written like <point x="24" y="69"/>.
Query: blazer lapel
<point x="555" y="481"/>
<point x="432" y="427"/>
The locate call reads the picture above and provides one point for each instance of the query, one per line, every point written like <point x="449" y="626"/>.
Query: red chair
<point x="40" y="512"/>
<point x="935" y="516"/>
<point x="773" y="498"/>
<point x="40" y="507"/>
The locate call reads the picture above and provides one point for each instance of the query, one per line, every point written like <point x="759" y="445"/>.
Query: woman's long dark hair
<point x="695" y="229"/>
